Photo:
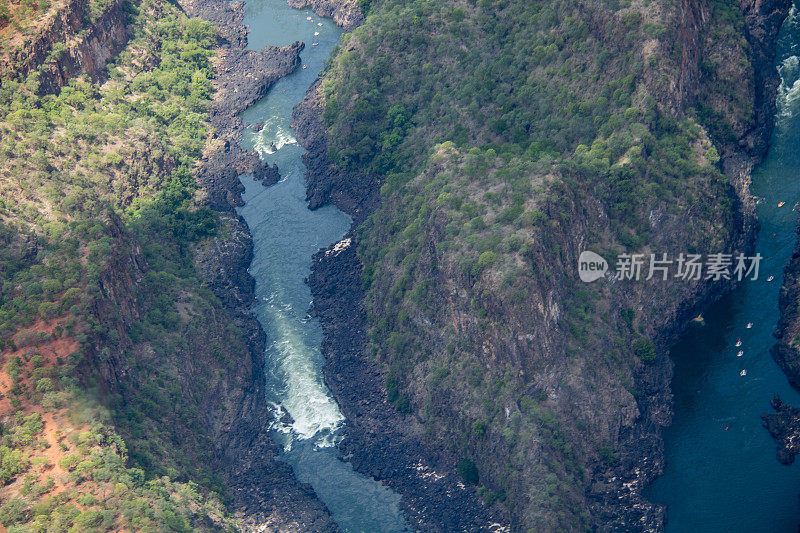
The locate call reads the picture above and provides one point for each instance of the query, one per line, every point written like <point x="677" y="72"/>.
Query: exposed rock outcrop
<point x="356" y="195"/>
<point x="786" y="351"/>
<point x="267" y="174"/>
<point x="64" y="45"/>
<point x="784" y="426"/>
<point x="345" y="13"/>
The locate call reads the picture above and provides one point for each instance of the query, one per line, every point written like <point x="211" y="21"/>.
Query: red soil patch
<point x="50" y="351"/>
<point x="57" y="425"/>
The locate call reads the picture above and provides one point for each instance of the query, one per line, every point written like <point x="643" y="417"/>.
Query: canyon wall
<point x="626" y="403"/>
<point x="68" y="42"/>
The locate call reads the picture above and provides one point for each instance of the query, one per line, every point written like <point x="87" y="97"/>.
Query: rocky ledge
<point x="345" y="13"/>
<point x="784" y="426"/>
<point x="266" y="495"/>
<point x="87" y="47"/>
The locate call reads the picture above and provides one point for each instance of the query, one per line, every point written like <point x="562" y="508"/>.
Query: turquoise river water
<point x="721" y="472"/>
<point x="286" y="234"/>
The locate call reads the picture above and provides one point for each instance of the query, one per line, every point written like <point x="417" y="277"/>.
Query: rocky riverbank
<point x="386" y="444"/>
<point x="786" y="351"/>
<point x="266" y="494"/>
<point x="784" y="426"/>
<point x="379" y="441"/>
<point x="345" y="13"/>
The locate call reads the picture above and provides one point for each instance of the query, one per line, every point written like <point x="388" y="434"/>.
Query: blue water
<point x="721" y="472"/>
<point x="286" y="234"/>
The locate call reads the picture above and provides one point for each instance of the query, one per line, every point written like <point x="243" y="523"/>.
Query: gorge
<point x="285" y="235"/>
<point x="260" y="274"/>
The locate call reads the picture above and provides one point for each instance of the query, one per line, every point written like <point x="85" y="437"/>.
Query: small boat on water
<point x="743" y="372"/>
<point x="781" y="204"/>
<point x="738" y="343"/>
<point x="749" y="325"/>
<point x="770" y="278"/>
<point x="741" y="353"/>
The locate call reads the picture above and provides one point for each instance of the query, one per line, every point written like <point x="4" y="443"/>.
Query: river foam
<point x="273" y="136"/>
<point x="788" y="97"/>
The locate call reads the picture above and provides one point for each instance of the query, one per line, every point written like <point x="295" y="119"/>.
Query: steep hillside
<point x="481" y="147"/>
<point x="132" y="373"/>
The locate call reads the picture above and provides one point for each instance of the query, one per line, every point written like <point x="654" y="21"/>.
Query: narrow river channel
<point x="286" y="234"/>
<point x="721" y="472"/>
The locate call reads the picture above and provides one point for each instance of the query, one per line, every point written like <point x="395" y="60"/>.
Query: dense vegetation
<point x="504" y="136"/>
<point x="99" y="214"/>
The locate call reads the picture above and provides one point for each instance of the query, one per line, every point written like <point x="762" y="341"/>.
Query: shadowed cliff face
<point x="787" y="350"/>
<point x="784" y="426"/>
<point x="477" y="364"/>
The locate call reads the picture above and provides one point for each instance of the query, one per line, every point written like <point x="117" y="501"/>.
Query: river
<point x="721" y="473"/>
<point x="285" y="235"/>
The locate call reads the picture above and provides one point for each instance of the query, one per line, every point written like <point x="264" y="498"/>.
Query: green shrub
<point x="12" y="463"/>
<point x="44" y="385"/>
<point x="468" y="470"/>
<point x="485" y="260"/>
<point x="644" y="349"/>
<point x="403" y="404"/>
<point x="89" y="519"/>
<point x="13" y="511"/>
<point x="69" y="462"/>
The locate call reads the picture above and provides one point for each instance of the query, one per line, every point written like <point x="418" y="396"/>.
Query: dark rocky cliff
<point x="784" y="426"/>
<point x="787" y="350"/>
<point x="613" y="491"/>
